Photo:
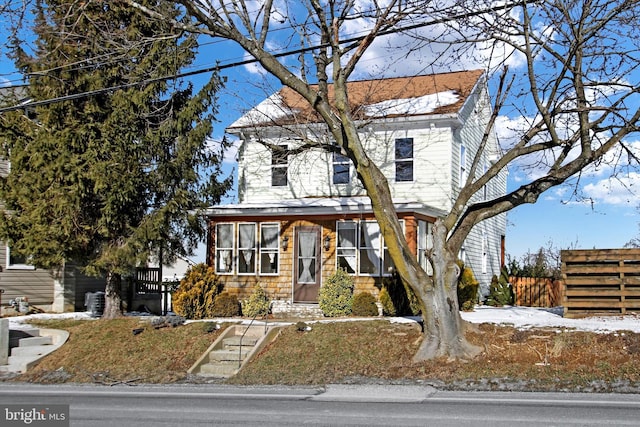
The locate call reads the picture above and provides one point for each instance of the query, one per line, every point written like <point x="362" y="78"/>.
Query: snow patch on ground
<point x="519" y="317"/>
<point x="532" y="317"/>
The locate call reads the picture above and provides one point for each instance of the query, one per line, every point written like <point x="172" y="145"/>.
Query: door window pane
<point x="307" y="257"/>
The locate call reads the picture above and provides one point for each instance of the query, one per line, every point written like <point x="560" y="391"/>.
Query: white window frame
<point x="425" y="243"/>
<point x="340" y="160"/>
<point x="342" y="251"/>
<point x="485" y="252"/>
<point x="463" y="165"/>
<point x="218" y="249"/>
<point x="267" y="251"/>
<point x="11" y="266"/>
<point x="387" y="269"/>
<point x="275" y="165"/>
<point x="362" y="246"/>
<point x="404" y="160"/>
<point x="253" y="249"/>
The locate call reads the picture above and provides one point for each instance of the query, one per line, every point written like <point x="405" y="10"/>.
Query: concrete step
<point x="15" y="335"/>
<point x="228" y="355"/>
<point x="33" y="341"/>
<point x="235" y="341"/>
<point x="219" y="369"/>
<point x="29" y="351"/>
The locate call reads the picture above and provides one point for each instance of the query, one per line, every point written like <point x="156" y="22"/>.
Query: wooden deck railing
<point x="601" y="282"/>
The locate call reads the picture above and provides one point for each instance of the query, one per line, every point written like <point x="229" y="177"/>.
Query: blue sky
<point x="608" y="220"/>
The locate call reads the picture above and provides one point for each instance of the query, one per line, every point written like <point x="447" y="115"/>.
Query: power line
<point x="252" y="61"/>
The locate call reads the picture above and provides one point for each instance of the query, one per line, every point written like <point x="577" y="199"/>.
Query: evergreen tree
<point x="108" y="179"/>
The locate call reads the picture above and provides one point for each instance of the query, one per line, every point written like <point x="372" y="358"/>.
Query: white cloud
<point x="616" y="190"/>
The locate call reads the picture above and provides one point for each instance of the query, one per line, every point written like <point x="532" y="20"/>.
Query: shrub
<point x="500" y="291"/>
<point x="336" y="296"/>
<point x="193" y="299"/>
<point x="388" y="308"/>
<point x="257" y="304"/>
<point x="226" y="305"/>
<point x="467" y="288"/>
<point x="364" y="304"/>
<point x="402" y="301"/>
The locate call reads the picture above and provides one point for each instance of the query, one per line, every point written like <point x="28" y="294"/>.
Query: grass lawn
<point x="537" y="359"/>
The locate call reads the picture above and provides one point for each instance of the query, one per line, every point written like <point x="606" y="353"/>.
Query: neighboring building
<point x="57" y="291"/>
<point x="302" y="216"/>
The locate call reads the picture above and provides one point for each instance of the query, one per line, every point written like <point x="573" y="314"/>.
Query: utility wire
<point x="252" y="61"/>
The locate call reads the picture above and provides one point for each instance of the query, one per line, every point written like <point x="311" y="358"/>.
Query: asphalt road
<point x="334" y="405"/>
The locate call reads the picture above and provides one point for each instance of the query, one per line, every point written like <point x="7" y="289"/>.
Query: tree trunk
<point x="444" y="329"/>
<point x="112" y="299"/>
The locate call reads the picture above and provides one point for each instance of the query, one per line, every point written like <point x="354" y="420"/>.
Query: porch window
<point x="404" y="159"/>
<point x="425" y="242"/>
<point x="370" y="248"/>
<point x="269" y="248"/>
<point x="279" y="166"/>
<point x="346" y="247"/>
<point x="387" y="262"/>
<point x="246" y="248"/>
<point x="341" y="168"/>
<point x="224" y="248"/>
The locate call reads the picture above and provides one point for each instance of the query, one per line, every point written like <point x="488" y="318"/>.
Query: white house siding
<point x="310" y="172"/>
<point x="475" y="115"/>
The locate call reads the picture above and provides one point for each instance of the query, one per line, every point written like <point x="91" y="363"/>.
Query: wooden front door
<point x="307" y="261"/>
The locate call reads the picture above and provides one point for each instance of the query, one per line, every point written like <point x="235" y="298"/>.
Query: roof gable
<point x="371" y="99"/>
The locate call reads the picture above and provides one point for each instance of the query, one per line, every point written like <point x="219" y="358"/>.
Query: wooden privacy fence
<point x="597" y="282"/>
<point x="536" y="291"/>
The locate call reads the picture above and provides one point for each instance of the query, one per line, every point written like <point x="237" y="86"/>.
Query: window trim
<point x="254" y="249"/>
<point x="339" y="159"/>
<point x="463" y="166"/>
<point x="263" y="251"/>
<point x="428" y="244"/>
<point x="11" y="266"/>
<point x="381" y="251"/>
<point x="404" y="161"/>
<point x="279" y="163"/>
<point x="218" y="248"/>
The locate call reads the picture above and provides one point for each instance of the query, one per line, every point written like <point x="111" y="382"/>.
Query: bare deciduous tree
<point x="561" y="68"/>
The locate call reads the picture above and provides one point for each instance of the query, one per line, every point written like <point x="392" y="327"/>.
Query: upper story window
<point x="341" y="169"/>
<point x="279" y="166"/>
<point x="404" y="159"/>
<point x="17" y="262"/>
<point x="224" y="248"/>
<point x="269" y="248"/>
<point x="463" y="166"/>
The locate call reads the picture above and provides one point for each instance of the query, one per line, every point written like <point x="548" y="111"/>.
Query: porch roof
<point x="315" y="207"/>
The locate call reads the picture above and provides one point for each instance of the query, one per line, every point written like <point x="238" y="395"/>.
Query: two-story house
<point x="302" y="213"/>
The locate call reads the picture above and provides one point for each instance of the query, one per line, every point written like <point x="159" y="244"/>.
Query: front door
<point x="306" y="263"/>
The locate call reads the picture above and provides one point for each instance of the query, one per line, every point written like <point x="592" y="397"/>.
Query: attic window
<point x="279" y="166"/>
<point x="404" y="159"/>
